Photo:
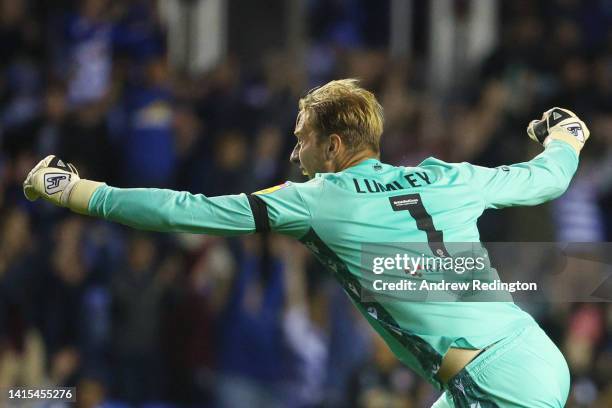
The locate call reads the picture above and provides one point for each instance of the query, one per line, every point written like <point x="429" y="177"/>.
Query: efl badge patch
<point x="272" y="189"/>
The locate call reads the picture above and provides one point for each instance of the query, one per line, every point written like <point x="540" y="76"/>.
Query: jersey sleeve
<point x="541" y="179"/>
<point x="173" y="211"/>
<point x="286" y="207"/>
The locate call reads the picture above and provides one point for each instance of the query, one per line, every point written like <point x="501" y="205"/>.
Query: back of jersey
<point x="371" y="209"/>
<point x="363" y="211"/>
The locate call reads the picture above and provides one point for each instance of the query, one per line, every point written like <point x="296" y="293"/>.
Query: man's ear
<point x="334" y="146"/>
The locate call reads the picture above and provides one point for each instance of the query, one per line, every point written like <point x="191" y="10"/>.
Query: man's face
<point x="308" y="152"/>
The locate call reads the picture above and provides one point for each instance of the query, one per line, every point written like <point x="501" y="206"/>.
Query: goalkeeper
<point x="480" y="354"/>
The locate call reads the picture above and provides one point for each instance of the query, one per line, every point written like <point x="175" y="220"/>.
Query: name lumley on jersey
<point x="334" y="214"/>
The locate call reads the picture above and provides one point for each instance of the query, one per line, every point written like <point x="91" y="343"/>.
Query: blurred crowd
<point x="143" y="319"/>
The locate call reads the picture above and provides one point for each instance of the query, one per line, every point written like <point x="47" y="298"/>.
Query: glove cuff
<point x="565" y="137"/>
<point x="79" y="195"/>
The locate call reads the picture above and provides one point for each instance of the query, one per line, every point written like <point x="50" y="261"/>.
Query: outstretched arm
<point x="174" y="211"/>
<point x="541" y="179"/>
<point x="167" y="210"/>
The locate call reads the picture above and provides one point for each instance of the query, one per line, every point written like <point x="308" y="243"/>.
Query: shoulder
<point x="314" y="184"/>
<point x="435" y="163"/>
<point x="307" y="192"/>
<point x="443" y="169"/>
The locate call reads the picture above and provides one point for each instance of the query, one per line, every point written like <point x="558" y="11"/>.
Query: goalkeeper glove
<point x="559" y="124"/>
<point x="59" y="182"/>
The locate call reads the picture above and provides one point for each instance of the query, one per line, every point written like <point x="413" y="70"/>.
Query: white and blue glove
<point x="59" y="183"/>
<point x="559" y="124"/>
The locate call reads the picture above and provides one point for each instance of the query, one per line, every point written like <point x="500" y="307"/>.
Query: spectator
<point x="87" y="52"/>
<point x="148" y="141"/>
<point x="137" y="291"/>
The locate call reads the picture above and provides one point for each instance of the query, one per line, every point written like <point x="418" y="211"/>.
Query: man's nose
<point x="295" y="157"/>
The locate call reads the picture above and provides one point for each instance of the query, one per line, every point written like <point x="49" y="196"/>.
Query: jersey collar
<point x="372" y="162"/>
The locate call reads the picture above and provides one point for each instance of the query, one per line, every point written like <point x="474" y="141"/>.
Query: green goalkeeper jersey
<point x="334" y="214"/>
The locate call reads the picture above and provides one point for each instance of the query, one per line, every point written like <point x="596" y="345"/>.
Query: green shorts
<point x="525" y="369"/>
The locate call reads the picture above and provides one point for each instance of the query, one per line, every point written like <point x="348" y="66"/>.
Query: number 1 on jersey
<point x="414" y="205"/>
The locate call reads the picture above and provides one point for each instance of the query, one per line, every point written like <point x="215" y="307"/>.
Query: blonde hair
<point x="344" y="108"/>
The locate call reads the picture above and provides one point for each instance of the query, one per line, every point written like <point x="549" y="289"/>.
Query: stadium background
<point x="201" y="96"/>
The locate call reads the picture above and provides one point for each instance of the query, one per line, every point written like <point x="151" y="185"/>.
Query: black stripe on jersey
<point x="260" y="213"/>
<point x="414" y="205"/>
